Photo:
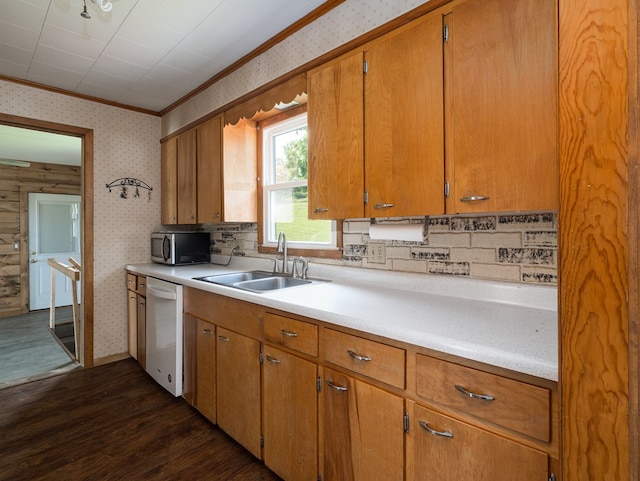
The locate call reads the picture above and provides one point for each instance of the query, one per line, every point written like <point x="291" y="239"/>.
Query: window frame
<point x="329" y="252"/>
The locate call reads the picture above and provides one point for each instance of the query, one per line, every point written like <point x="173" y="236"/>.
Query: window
<point x="284" y="188"/>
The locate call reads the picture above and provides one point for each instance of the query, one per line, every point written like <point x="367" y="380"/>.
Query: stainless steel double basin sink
<point x="257" y="281"/>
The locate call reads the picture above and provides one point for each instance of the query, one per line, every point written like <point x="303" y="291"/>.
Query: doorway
<point x="54" y="232"/>
<point x="86" y="222"/>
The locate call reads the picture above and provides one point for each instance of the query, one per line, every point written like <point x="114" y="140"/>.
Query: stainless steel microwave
<point x="180" y="248"/>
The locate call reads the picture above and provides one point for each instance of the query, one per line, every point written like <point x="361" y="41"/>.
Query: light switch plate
<point x="377" y="253"/>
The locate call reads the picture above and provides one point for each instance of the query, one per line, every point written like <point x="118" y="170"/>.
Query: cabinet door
<point x="404" y="129"/>
<point x="142" y="330"/>
<point x="290" y="417"/>
<point x="363" y="433"/>
<point x="502" y="112"/>
<point x="209" y="168"/>
<point x="186" y="175"/>
<point x="439" y="447"/>
<point x="132" y="319"/>
<point x="238" y="388"/>
<point x="240" y="168"/>
<point x="169" y="181"/>
<point x="205" y="396"/>
<point x="189" y="358"/>
<point x="335" y="135"/>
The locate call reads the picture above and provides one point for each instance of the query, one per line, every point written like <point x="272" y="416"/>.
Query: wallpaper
<point x="342" y="24"/>
<point x="126" y="144"/>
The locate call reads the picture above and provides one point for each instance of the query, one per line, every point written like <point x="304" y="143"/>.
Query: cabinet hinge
<point x="319" y="477"/>
<point x="405" y="422"/>
<point x="552" y="477"/>
<point x="445" y="33"/>
<point x="318" y="384"/>
<point x="262" y="441"/>
<point x="261" y="358"/>
<point x="366" y="198"/>
<point x="365" y="67"/>
<point x="446" y="189"/>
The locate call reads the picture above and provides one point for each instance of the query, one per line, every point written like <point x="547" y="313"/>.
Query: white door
<point x="54" y="232"/>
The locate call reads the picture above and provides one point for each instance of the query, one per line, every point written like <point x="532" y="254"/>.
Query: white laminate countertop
<point x="509" y="325"/>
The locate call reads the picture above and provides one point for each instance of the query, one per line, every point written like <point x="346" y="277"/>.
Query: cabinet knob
<point x="321" y="209"/>
<point x="429" y="429"/>
<point x="383" y="206"/>
<point x="215" y="216"/>
<point x="272" y="360"/>
<point x="335" y="386"/>
<point x="358" y="357"/>
<point x="223" y="338"/>
<point x="474" y="198"/>
<point x="208" y="332"/>
<point x="482" y="397"/>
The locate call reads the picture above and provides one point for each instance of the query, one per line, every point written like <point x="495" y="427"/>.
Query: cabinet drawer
<point x="512" y="404"/>
<point x="137" y="283"/>
<point x="379" y="361"/>
<point x="299" y="335"/>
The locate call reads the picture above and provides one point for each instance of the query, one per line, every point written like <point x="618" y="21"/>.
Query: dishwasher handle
<point x="162" y="294"/>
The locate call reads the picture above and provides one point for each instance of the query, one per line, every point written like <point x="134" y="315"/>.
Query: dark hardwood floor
<point x="113" y="423"/>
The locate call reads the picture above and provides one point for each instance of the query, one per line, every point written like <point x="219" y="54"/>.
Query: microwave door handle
<point x="166" y="248"/>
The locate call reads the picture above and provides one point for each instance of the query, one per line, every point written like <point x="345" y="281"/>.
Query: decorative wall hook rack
<point x="126" y="182"/>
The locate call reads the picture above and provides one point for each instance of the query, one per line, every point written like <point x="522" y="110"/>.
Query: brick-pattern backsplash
<point x="507" y="247"/>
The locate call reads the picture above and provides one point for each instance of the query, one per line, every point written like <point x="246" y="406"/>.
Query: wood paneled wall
<point x="15" y="182"/>
<point x="596" y="75"/>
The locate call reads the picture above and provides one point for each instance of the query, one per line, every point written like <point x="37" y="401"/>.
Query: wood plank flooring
<point x="113" y="422"/>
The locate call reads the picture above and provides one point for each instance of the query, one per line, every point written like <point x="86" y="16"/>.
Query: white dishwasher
<point x="164" y="334"/>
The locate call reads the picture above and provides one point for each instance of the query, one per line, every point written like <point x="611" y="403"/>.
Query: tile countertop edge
<point x="534" y="351"/>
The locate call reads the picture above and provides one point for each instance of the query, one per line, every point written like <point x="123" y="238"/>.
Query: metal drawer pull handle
<point x="358" y="357"/>
<point x="208" y="332"/>
<point x="273" y="360"/>
<point x="474" y="198"/>
<point x="284" y="332"/>
<point x="321" y="209"/>
<point x="482" y="397"/>
<point x="223" y="338"/>
<point x="426" y="427"/>
<point x="337" y="388"/>
<point x="383" y="206"/>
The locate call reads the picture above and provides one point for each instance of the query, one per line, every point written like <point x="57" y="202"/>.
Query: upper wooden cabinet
<point x="379" y="135"/>
<point x="186" y="174"/>
<point x="209" y="181"/>
<point x="209" y="174"/>
<point x="456" y="113"/>
<point x="336" y="139"/>
<point x="500" y="79"/>
<point x="403" y="122"/>
<point x="169" y="179"/>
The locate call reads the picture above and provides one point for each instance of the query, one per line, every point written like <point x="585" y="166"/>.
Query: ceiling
<point x="143" y="53"/>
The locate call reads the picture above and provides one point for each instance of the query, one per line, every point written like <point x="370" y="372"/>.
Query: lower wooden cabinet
<point x="200" y="365"/>
<point x="137" y="316"/>
<point x="385" y="411"/>
<point x="442" y="448"/>
<point x="363" y="432"/>
<point x="238" y="388"/>
<point x="290" y="415"/>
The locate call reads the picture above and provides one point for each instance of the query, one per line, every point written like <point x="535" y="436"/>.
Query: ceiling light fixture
<point x="84" y="13"/>
<point x="104" y="5"/>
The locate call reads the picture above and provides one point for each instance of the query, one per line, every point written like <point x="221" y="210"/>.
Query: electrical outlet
<point x="377" y="253"/>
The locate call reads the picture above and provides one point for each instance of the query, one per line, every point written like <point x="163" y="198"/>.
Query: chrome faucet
<point x="282" y="249"/>
<point x="304" y="268"/>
